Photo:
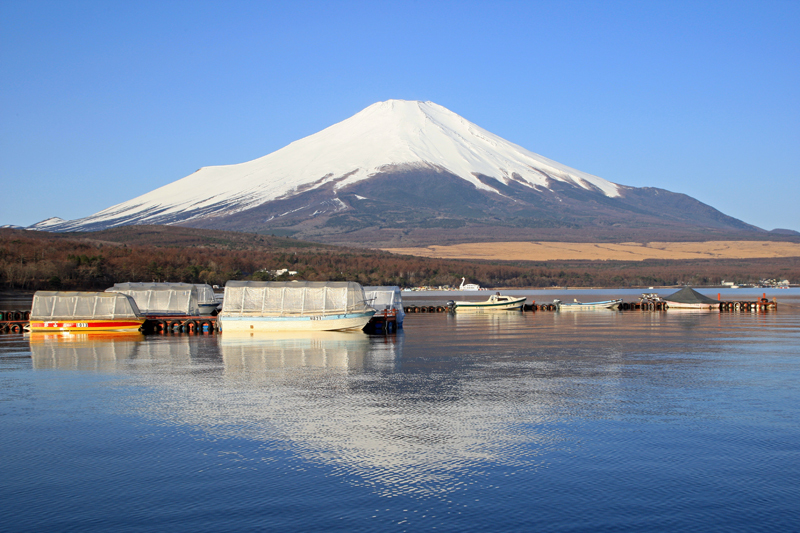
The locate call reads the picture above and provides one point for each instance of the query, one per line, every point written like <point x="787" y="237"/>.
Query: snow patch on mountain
<point x="47" y="224"/>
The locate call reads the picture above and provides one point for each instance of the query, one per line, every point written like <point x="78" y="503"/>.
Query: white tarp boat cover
<point x="388" y="297"/>
<point x="87" y="305"/>
<point x="162" y="298"/>
<point x="384" y="297"/>
<point x="282" y="298"/>
<point x="205" y="294"/>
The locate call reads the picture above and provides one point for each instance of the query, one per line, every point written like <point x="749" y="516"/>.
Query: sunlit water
<point x="588" y="421"/>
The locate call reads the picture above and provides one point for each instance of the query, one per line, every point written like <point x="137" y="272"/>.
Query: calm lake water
<point x="587" y="421"/>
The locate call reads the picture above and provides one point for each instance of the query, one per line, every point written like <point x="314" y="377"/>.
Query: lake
<point x="546" y="421"/>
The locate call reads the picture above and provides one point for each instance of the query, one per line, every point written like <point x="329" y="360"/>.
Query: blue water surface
<point x="596" y="421"/>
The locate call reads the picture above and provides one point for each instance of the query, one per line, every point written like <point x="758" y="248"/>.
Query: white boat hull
<point x="678" y="305"/>
<point x="295" y="323"/>
<point x="590" y="306"/>
<point x="513" y="304"/>
<point x="207" y="308"/>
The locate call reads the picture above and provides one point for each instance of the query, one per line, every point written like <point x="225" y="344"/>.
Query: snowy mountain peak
<point x="385" y="135"/>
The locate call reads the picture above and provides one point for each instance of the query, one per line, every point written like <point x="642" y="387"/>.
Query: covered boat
<point x="496" y="302"/>
<point x="688" y="298"/>
<point x="162" y="299"/>
<point x="206" y="299"/>
<point x="84" y="312"/>
<point x="293" y="305"/>
<point x="384" y="299"/>
<point x="587" y="306"/>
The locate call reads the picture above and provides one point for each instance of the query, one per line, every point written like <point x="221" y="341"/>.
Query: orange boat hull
<point x="132" y="324"/>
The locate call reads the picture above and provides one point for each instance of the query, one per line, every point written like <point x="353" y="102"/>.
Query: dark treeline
<point x="36" y="260"/>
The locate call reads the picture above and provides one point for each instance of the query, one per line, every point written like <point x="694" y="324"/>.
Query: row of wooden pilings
<point x="193" y="324"/>
<point x="14" y="321"/>
<point x="625" y="306"/>
<point x="761" y="305"/>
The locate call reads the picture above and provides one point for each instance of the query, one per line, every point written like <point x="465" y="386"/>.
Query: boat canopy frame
<point x="293" y="298"/>
<point x="385" y="297"/>
<point x="205" y="294"/>
<point x="50" y="305"/>
<point x="162" y="298"/>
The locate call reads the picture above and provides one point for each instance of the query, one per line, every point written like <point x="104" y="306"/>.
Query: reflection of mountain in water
<point x="343" y="401"/>
<point x="339" y="400"/>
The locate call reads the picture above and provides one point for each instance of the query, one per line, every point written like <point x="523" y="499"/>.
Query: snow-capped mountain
<point x="395" y="164"/>
<point x="388" y="133"/>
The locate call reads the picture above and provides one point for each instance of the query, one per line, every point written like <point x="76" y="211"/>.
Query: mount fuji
<point x="413" y="172"/>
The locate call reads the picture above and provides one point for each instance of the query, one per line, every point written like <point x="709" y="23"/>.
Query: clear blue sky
<point x="103" y="101"/>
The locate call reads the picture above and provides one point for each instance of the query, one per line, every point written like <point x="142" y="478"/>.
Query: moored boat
<point x="57" y="311"/>
<point x="587" y="306"/>
<point x="496" y="302"/>
<point x="688" y="298"/>
<point x="385" y="300"/>
<point x="293" y="306"/>
<point x="207" y="302"/>
<point x="163" y="299"/>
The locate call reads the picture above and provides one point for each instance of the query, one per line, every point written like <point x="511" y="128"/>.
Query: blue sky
<point x="103" y="101"/>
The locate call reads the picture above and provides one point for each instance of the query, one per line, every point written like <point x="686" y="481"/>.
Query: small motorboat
<point x="588" y="306"/>
<point x="496" y="302"/>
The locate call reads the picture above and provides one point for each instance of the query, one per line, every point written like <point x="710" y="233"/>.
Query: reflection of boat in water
<point x="493" y="324"/>
<point x="82" y="350"/>
<point x="116" y="351"/>
<point x="588" y="306"/>
<point x="293" y="306"/>
<point x="253" y="352"/>
<point x="496" y="302"/>
<point x="84" y="312"/>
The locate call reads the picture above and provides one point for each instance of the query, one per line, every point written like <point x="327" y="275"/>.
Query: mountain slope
<point x="405" y="166"/>
<point x="387" y="133"/>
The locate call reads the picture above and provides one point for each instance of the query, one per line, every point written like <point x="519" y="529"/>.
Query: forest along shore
<point x="31" y="260"/>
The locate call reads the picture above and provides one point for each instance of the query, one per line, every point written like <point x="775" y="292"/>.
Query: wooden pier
<point x="383" y="321"/>
<point x="761" y="305"/>
<point x="644" y="304"/>
<point x="13" y="321"/>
